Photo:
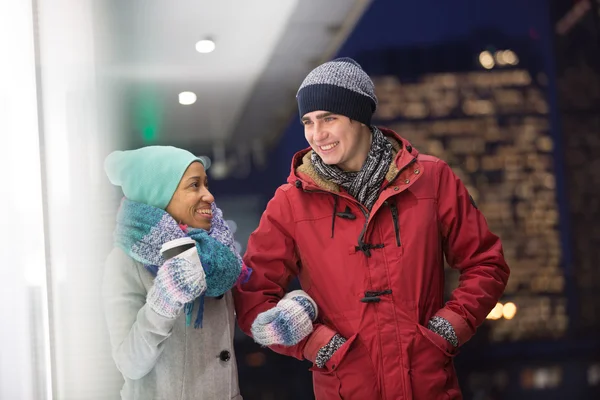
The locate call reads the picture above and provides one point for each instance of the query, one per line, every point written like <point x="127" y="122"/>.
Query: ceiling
<point x="245" y="88"/>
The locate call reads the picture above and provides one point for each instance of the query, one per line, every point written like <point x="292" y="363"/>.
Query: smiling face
<point x="191" y="202"/>
<point x="337" y="139"/>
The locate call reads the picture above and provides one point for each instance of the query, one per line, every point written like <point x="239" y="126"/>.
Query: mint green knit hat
<point x="151" y="174"/>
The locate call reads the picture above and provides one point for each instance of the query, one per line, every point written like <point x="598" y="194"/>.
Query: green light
<point x="148" y="113"/>
<point x="149" y="134"/>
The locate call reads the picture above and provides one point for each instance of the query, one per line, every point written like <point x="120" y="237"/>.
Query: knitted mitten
<point x="287" y="323"/>
<point x="443" y="328"/>
<point x="180" y="280"/>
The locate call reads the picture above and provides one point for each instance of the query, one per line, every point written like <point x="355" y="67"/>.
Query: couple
<point x="364" y="222"/>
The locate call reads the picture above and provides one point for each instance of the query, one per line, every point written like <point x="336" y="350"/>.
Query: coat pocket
<point x="431" y="369"/>
<point x="348" y="375"/>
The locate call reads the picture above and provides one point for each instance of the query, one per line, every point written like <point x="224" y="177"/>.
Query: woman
<point x="173" y="261"/>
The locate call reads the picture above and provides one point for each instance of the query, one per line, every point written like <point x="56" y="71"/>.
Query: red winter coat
<point x="377" y="277"/>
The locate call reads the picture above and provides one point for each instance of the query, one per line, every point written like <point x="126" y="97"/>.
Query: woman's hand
<point x="180" y="280"/>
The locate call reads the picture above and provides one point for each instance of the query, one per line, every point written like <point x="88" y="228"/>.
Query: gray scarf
<point x="363" y="185"/>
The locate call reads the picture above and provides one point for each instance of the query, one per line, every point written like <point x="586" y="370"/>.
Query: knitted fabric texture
<point x="326" y="352"/>
<point x="365" y="184"/>
<point x="180" y="280"/>
<point x="142" y="230"/>
<point x="287" y="323"/>
<point x="442" y="327"/>
<point x="341" y="87"/>
<point x="151" y="174"/>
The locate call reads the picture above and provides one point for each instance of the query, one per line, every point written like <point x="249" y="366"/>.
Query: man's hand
<point x="287" y="323"/>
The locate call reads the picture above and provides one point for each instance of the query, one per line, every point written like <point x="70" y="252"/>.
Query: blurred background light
<point x="496" y="312"/>
<point x="486" y="60"/>
<point x="509" y="310"/>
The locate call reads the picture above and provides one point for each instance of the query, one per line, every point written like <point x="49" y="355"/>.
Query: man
<point x="364" y="223"/>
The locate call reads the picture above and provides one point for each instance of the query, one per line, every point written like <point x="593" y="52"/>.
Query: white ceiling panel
<point x="245" y="88"/>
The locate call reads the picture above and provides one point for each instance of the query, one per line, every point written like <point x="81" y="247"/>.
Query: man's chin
<point x="329" y="160"/>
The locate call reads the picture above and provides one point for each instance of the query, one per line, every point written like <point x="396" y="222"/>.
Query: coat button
<point x="298" y="184"/>
<point x="396" y="188"/>
<point x="417" y="172"/>
<point x="407" y="181"/>
<point x="225" y="355"/>
<point x="409" y="148"/>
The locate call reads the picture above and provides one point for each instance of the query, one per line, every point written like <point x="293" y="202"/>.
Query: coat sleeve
<point x="473" y="250"/>
<point x="137" y="333"/>
<point x="271" y="253"/>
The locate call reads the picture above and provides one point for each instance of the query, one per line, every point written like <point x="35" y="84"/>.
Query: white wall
<point x="57" y="124"/>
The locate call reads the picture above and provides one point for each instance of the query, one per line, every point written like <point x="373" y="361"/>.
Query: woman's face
<point x="191" y="202"/>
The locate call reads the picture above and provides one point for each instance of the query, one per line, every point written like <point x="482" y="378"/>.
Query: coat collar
<point x="303" y="171"/>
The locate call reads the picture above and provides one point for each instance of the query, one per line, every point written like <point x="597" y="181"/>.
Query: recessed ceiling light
<point x="187" y="98"/>
<point x="205" y="46"/>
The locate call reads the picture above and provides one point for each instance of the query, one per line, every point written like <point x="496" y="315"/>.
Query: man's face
<point x="336" y="139"/>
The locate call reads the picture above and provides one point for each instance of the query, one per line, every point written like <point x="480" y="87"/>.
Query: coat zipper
<point x="394" y="211"/>
<point x="392" y="205"/>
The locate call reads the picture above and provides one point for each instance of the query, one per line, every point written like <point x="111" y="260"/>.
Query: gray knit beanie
<point x="341" y="87"/>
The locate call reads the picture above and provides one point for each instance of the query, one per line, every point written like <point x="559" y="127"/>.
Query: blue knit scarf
<point x="142" y="230"/>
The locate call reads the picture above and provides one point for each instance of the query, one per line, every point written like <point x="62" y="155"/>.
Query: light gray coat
<point x="160" y="358"/>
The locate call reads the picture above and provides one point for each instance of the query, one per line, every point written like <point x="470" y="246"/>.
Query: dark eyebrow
<point x="320" y="116"/>
<point x="324" y="115"/>
<point x="196" y="177"/>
